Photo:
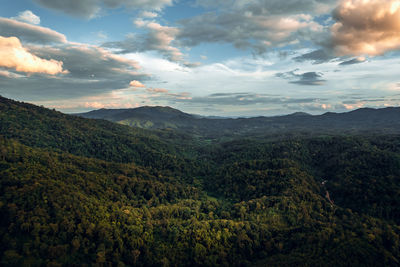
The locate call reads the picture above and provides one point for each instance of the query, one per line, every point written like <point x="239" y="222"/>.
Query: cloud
<point x="148" y="14"/>
<point x="157" y="90"/>
<point x="158" y="38"/>
<point x="99" y="105"/>
<point x="85" y="61"/>
<point x="121" y="98"/>
<point x="317" y="56"/>
<point x="92" y="62"/>
<point x="310" y="78"/>
<point x="91" y="70"/>
<point x="307" y="78"/>
<point x="353" y="61"/>
<point x="268" y="7"/>
<point x="137" y="84"/>
<point x="192" y="64"/>
<point x="86" y="69"/>
<point x="243" y="99"/>
<point x="366" y="27"/>
<point x="220" y="100"/>
<point x="9" y="74"/>
<point x="28" y="16"/>
<point x="247" y="30"/>
<point x="259" y="25"/>
<point x="29" y="33"/>
<point x="91" y="8"/>
<point x="14" y="56"/>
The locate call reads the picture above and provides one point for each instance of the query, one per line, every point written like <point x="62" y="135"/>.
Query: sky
<point x="208" y="57"/>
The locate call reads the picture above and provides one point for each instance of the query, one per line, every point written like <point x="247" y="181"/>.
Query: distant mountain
<point x="144" y="117"/>
<point x="363" y="120"/>
<point x="300" y="114"/>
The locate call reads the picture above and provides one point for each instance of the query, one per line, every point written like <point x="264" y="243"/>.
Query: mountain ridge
<point x="163" y="108"/>
<point x="360" y="120"/>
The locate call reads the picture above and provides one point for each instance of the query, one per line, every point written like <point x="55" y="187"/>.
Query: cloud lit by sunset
<point x="366" y="27"/>
<point x="13" y="55"/>
<point x="135" y="83"/>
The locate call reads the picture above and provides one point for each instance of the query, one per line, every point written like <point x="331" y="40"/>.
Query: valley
<point x="192" y="191"/>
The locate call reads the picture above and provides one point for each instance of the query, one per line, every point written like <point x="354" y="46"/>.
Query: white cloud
<point x="158" y="38"/>
<point x="148" y="14"/>
<point x="28" y="16"/>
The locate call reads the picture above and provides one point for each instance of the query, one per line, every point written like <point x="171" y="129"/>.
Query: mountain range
<point x="82" y="192"/>
<point x="361" y="120"/>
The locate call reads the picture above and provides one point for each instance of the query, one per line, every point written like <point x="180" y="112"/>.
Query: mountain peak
<point x="167" y="109"/>
<point x="300" y="114"/>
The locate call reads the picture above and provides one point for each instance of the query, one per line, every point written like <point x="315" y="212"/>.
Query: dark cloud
<point x="310" y="78"/>
<point x="219" y="100"/>
<point x="243" y="99"/>
<point x="258" y="25"/>
<point x="89" y="62"/>
<point x="353" y="102"/>
<point x="228" y="94"/>
<point x="268" y="7"/>
<point x="41" y="87"/>
<point x="317" y="57"/>
<point x="148" y="42"/>
<point x="353" y="61"/>
<point x="29" y="33"/>
<point x="307" y="78"/>
<point x="90" y="8"/>
<point x="132" y="44"/>
<point x="246" y="30"/>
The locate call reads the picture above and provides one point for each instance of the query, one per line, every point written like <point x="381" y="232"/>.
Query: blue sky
<point x="220" y="57"/>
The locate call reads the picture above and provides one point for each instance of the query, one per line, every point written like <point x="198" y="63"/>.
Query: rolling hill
<point x="76" y="191"/>
<point x="362" y="120"/>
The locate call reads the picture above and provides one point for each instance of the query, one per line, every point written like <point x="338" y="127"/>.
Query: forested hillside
<point x="361" y="121"/>
<point x="77" y="191"/>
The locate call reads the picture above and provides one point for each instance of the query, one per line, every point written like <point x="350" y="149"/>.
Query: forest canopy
<point x="77" y="191"/>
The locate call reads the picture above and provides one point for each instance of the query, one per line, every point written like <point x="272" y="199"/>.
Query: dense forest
<point x="82" y="192"/>
<point x="360" y="121"/>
